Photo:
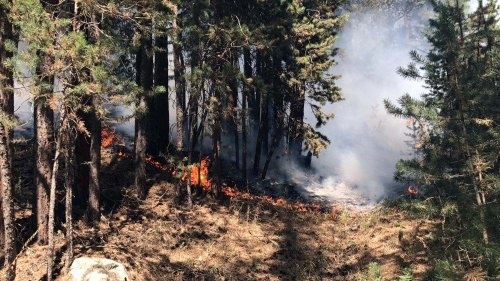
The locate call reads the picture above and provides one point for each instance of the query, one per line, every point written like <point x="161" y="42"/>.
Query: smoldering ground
<point x="366" y="142"/>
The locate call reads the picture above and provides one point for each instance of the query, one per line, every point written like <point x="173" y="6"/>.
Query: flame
<point x="108" y="137"/>
<point x="149" y="160"/>
<point x="412" y="190"/>
<point x="336" y="211"/>
<point x="296" y="206"/>
<point x="199" y="175"/>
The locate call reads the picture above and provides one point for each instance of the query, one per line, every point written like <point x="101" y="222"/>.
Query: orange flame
<point x="336" y="211"/>
<point x="412" y="190"/>
<point x="296" y="206"/>
<point x="149" y="159"/>
<point x="199" y="175"/>
<point x="108" y="137"/>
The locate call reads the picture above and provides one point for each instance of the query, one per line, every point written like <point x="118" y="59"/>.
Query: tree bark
<point x="234" y="110"/>
<point x="158" y="123"/>
<point x="144" y="75"/>
<point x="180" y="91"/>
<point x="52" y="203"/>
<point x="52" y="197"/>
<point x="95" y="127"/>
<point x="82" y="158"/>
<point x="44" y="154"/>
<point x="7" y="231"/>
<point x="263" y="131"/>
<point x="68" y="184"/>
<point x="296" y="123"/>
<point x="247" y="92"/>
<point x="7" y="203"/>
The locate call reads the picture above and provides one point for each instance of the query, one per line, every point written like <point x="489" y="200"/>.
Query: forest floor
<point x="237" y="239"/>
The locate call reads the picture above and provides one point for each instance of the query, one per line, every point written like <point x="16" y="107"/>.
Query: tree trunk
<point x="7" y="203"/>
<point x="247" y="92"/>
<point x="234" y="110"/>
<point x="140" y="149"/>
<point x="94" y="212"/>
<point x="216" y="139"/>
<point x="274" y="145"/>
<point x="44" y="154"/>
<point x="82" y="158"/>
<point x="261" y="134"/>
<point x="143" y="75"/>
<point x="296" y="123"/>
<point x="158" y="123"/>
<point x="52" y="197"/>
<point x="68" y="184"/>
<point x="7" y="231"/>
<point x="179" y="84"/>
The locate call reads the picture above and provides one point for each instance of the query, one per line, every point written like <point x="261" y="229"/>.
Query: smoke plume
<point x="366" y="142"/>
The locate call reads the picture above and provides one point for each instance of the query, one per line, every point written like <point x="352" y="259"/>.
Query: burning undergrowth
<point x="267" y="192"/>
<point x="290" y="186"/>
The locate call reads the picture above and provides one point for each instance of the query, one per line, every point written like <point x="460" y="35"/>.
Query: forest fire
<point x="108" y="137"/>
<point x="412" y="191"/>
<point x="296" y="206"/>
<point x="149" y="159"/>
<point x="199" y="175"/>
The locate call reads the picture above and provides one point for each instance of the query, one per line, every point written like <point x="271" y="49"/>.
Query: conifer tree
<point x="457" y="118"/>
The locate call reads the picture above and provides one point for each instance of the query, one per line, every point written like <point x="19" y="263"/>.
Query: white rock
<point x="97" y="269"/>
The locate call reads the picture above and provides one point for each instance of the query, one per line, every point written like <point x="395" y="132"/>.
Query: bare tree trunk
<point x="143" y="73"/>
<point x="216" y="141"/>
<point x="7" y="232"/>
<point x="296" y="123"/>
<point x="234" y="110"/>
<point x="140" y="149"/>
<point x="261" y="134"/>
<point x="247" y="92"/>
<point x="82" y="158"/>
<point x="52" y="197"/>
<point x="274" y="145"/>
<point x="7" y="203"/>
<point x="94" y="212"/>
<point x="68" y="184"/>
<point x="44" y="153"/>
<point x="179" y="84"/>
<point x="158" y="122"/>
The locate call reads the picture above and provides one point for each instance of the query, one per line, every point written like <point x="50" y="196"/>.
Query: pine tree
<point x="458" y="117"/>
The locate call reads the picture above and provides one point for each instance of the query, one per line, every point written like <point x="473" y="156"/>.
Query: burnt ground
<point x="232" y="239"/>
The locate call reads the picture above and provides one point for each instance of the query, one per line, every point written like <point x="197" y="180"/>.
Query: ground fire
<point x="412" y="191"/>
<point x="199" y="175"/>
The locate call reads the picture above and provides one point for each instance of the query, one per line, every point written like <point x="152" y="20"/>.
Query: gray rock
<point x="97" y="269"/>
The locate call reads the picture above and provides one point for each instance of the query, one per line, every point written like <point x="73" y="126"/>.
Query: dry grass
<point x="240" y="240"/>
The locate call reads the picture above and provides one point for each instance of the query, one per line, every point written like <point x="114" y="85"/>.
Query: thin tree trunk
<point x="158" y="121"/>
<point x="52" y="197"/>
<point x="140" y="149"/>
<point x="7" y="203"/>
<point x="7" y="231"/>
<point x="82" y="158"/>
<point x="44" y="153"/>
<point x="68" y="183"/>
<point x="95" y="165"/>
<point x="216" y="139"/>
<point x="179" y="84"/>
<point x="143" y="69"/>
<point x="261" y="134"/>
<point x="275" y="143"/>
<point x="297" y="120"/>
<point x="247" y="92"/>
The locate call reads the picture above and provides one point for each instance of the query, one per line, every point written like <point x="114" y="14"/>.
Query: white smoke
<point x="366" y="142"/>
